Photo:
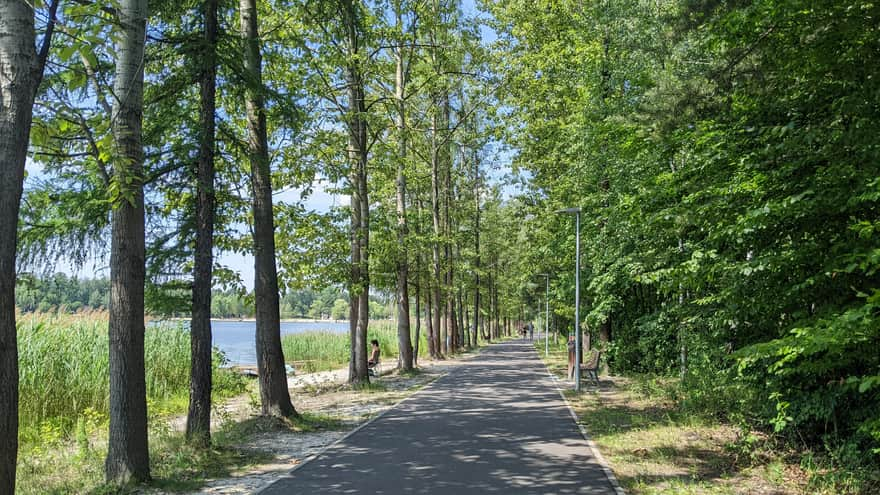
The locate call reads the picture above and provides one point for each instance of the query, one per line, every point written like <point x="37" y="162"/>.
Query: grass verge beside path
<point x="654" y="447"/>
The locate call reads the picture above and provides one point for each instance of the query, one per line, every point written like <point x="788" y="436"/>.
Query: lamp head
<point x="569" y="211"/>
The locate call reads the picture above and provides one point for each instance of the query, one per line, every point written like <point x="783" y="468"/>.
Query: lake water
<point x="236" y="338"/>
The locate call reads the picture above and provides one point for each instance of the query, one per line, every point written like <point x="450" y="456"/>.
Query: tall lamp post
<point x="577" y="294"/>
<point x="546" y="314"/>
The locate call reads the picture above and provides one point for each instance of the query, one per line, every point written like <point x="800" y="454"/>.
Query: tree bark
<point x="360" y="207"/>
<point x="490" y="315"/>
<point x="464" y="329"/>
<point x="127" y="449"/>
<point x="429" y="321"/>
<point x="605" y="185"/>
<point x="418" y="323"/>
<point x="495" y="304"/>
<point x="476" y="245"/>
<point x="274" y="395"/>
<point x="463" y="332"/>
<point x="429" y="337"/>
<point x="19" y="69"/>
<point x="449" y="291"/>
<point x="435" y="243"/>
<point x="605" y="332"/>
<point x="198" y="419"/>
<point x="404" y="343"/>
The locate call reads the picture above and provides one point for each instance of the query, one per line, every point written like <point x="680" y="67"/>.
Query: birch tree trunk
<point x="18" y="80"/>
<point x="198" y="419"/>
<point x="274" y="395"/>
<point x="127" y="450"/>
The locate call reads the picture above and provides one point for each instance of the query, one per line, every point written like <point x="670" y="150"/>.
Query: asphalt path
<point x="495" y="424"/>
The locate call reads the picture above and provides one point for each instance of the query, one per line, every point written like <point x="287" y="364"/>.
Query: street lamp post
<point x="546" y="314"/>
<point x="577" y="294"/>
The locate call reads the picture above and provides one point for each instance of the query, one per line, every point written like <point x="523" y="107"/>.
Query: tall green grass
<point x="64" y="371"/>
<point x="326" y="350"/>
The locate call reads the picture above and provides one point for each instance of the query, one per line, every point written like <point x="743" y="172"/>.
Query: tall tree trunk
<point x="198" y="418"/>
<point x="419" y="271"/>
<point x="605" y="332"/>
<point x="404" y="343"/>
<point x="435" y="243"/>
<point x="495" y="305"/>
<point x="127" y="452"/>
<point x="449" y="291"/>
<point x="463" y="329"/>
<point x="605" y="185"/>
<point x="452" y="322"/>
<point x="418" y="321"/>
<point x="490" y="315"/>
<point x="476" y="244"/>
<point x="360" y="207"/>
<point x="274" y="395"/>
<point x="429" y="322"/>
<point x="20" y="77"/>
<point x="444" y="329"/>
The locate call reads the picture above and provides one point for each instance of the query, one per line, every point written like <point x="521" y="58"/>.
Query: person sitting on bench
<point x="374" y="356"/>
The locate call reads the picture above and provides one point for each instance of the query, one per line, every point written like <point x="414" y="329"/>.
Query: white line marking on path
<point x="596" y="454"/>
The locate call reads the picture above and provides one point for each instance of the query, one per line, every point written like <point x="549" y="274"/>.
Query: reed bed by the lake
<point x="64" y="369"/>
<point x="325" y="350"/>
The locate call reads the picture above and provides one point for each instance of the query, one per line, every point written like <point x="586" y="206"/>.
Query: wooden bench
<point x="590" y="369"/>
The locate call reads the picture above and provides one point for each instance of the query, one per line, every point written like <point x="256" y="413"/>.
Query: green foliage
<point x="339" y="311"/>
<point x="723" y="157"/>
<point x="723" y="154"/>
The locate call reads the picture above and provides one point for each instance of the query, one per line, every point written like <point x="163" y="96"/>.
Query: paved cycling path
<point x="495" y="424"/>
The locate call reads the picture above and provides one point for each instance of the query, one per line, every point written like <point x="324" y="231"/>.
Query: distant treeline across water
<point x="64" y="293"/>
